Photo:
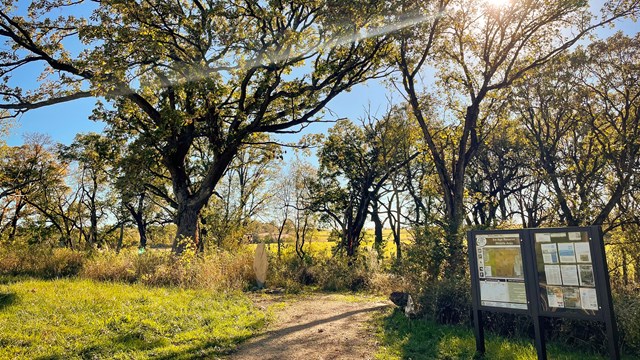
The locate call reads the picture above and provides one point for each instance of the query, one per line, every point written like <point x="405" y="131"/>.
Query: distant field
<point x="319" y="244"/>
<point x="81" y="319"/>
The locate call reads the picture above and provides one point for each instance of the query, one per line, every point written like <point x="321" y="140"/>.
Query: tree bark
<point x="187" y="222"/>
<point x="377" y="223"/>
<point x="16" y="216"/>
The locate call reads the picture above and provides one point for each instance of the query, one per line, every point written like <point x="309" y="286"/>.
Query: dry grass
<point x="217" y="270"/>
<point x="40" y="262"/>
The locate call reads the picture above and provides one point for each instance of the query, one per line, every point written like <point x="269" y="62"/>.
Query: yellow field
<point x="319" y="245"/>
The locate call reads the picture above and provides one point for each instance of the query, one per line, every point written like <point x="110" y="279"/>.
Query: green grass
<point x="401" y="338"/>
<point x="81" y="319"/>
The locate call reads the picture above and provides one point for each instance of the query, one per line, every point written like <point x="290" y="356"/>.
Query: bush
<point x="445" y="301"/>
<point x="627" y="309"/>
<point x="340" y="273"/>
<point x="109" y="266"/>
<point x="328" y="273"/>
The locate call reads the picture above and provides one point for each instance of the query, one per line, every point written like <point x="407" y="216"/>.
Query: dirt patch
<point x="318" y="327"/>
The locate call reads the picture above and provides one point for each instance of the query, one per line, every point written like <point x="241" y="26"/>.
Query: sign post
<point x="542" y="273"/>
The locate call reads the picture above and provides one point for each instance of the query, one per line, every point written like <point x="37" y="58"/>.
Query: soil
<point x="317" y="327"/>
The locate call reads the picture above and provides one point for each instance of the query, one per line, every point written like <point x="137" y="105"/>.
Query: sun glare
<point x="498" y="3"/>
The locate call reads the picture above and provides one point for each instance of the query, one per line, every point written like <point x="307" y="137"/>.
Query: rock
<point x="399" y="298"/>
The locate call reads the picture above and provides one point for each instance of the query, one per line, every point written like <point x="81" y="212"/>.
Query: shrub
<point x="627" y="309"/>
<point x="384" y="283"/>
<point x="445" y="301"/>
<point x="328" y="273"/>
<point x="219" y="270"/>
<point x="62" y="262"/>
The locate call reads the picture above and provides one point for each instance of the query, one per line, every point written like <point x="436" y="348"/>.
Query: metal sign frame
<point x="535" y="307"/>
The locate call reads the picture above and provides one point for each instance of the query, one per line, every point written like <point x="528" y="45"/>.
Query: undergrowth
<point x="217" y="270"/>
<point x="417" y="339"/>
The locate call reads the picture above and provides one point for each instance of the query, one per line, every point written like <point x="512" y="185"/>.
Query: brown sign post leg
<point x="478" y="328"/>
<point x="607" y="301"/>
<point x="541" y="344"/>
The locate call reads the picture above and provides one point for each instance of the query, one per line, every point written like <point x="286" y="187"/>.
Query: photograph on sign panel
<point x="572" y="297"/>
<point x="555" y="297"/>
<point x="549" y="253"/>
<point x="567" y="253"/>
<point x="586" y="275"/>
<point x="583" y="253"/>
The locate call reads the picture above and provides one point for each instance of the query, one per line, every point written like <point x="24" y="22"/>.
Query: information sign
<point x="543" y="273"/>
<point x="499" y="259"/>
<point x="565" y="272"/>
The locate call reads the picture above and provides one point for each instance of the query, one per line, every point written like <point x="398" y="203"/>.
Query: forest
<point x="219" y="135"/>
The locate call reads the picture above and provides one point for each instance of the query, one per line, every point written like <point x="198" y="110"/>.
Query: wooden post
<point x="478" y="330"/>
<point x="541" y="344"/>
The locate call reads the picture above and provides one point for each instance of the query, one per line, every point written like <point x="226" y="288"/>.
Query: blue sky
<point x="62" y="122"/>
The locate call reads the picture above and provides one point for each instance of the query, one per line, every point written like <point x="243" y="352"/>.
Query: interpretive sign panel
<point x="500" y="272"/>
<point x="565" y="272"/>
<point x="543" y="273"/>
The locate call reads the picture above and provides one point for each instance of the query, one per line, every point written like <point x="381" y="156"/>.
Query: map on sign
<point x="500" y="270"/>
<point x="503" y="262"/>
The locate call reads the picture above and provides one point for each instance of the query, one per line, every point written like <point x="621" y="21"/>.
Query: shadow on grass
<point x="417" y="339"/>
<point x="155" y="349"/>
<point x="147" y="346"/>
<point x="7" y="299"/>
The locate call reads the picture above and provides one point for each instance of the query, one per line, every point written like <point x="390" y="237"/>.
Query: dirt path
<point x="318" y="327"/>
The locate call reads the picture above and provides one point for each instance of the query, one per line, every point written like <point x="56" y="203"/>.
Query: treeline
<point x="505" y="121"/>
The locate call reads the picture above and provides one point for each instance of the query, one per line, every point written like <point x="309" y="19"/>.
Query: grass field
<point x="318" y="244"/>
<point x="81" y="319"/>
<point x="401" y="338"/>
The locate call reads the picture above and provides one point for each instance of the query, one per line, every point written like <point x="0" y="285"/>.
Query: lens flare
<point x="498" y="3"/>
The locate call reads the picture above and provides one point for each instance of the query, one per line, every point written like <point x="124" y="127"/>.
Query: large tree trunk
<point x="456" y="262"/>
<point x="187" y="222"/>
<point x="16" y="216"/>
<point x="142" y="231"/>
<point x="280" y="231"/>
<point x="189" y="200"/>
<point x="93" y="235"/>
<point x="93" y="213"/>
<point x="356" y="224"/>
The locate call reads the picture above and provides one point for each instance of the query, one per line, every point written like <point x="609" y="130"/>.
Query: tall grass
<point x="220" y="270"/>
<point x="39" y="261"/>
